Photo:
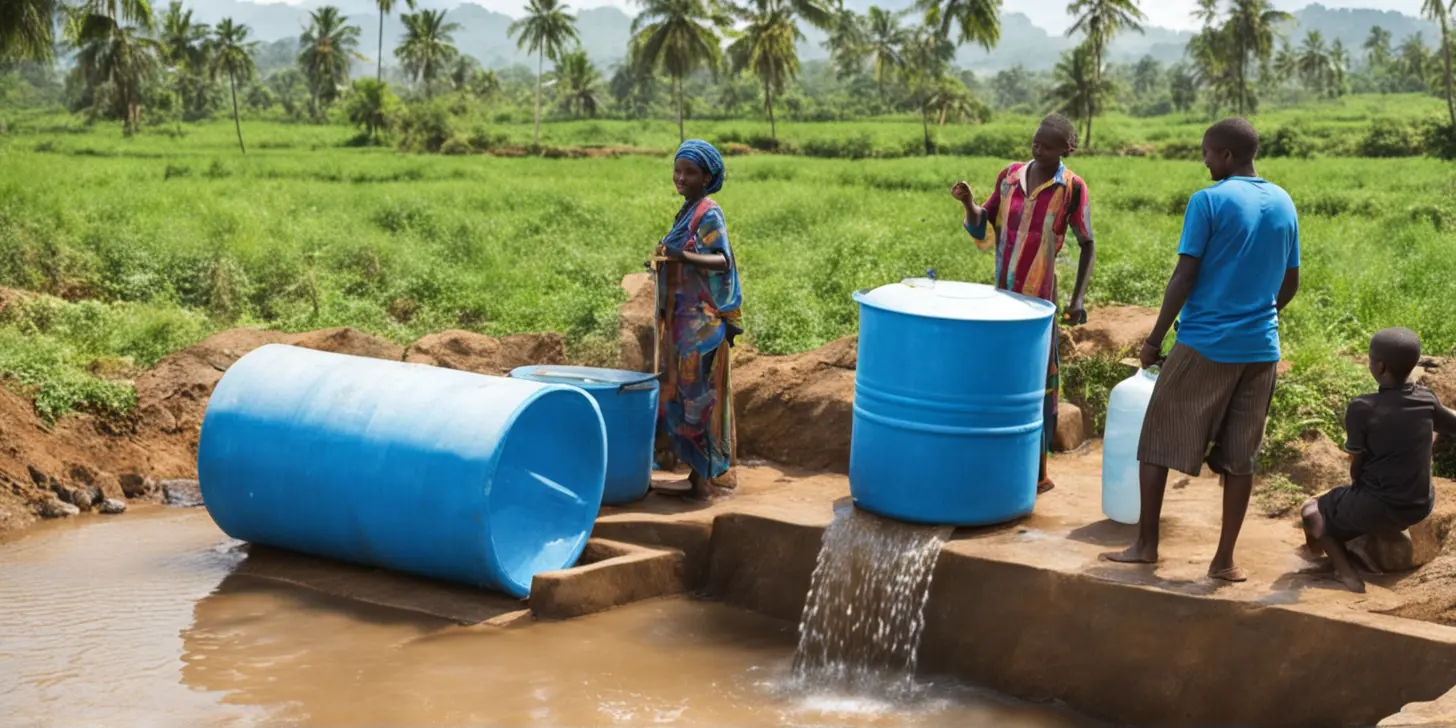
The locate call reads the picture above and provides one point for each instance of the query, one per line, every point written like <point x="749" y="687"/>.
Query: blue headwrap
<point x="707" y="158"/>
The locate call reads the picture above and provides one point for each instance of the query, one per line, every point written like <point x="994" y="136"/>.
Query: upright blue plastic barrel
<point x="480" y="480"/>
<point x="948" y="401"/>
<point x="628" y="401"/>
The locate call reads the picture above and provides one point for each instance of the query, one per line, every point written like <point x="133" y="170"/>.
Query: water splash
<point x="865" y="613"/>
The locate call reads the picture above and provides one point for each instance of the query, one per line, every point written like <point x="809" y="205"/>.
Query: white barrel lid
<point x="955" y="300"/>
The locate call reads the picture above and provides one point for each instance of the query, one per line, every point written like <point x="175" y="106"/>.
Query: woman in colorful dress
<point x="698" y="301"/>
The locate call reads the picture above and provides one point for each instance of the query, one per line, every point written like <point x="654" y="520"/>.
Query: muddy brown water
<point x="140" y="621"/>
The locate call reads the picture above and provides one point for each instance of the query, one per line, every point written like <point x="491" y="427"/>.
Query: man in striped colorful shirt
<point x="1032" y="207"/>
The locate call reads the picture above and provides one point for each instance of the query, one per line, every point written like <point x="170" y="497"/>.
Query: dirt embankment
<point x="84" y="460"/>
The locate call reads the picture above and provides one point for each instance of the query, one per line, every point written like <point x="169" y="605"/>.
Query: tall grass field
<point x="154" y="242"/>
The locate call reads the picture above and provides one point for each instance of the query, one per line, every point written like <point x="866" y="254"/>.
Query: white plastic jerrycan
<point x="1126" y="408"/>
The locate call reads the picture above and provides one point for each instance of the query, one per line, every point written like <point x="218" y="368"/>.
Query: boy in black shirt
<point x="1388" y="436"/>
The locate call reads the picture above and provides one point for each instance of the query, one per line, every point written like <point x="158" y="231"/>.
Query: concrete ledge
<point x="608" y="575"/>
<point x="380" y="587"/>
<point x="689" y="537"/>
<point x="1117" y="651"/>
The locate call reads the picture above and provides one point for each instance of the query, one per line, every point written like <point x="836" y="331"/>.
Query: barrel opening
<point x="547" y="486"/>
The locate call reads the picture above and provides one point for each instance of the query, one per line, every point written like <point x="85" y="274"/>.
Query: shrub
<point x="426" y="127"/>
<point x="1180" y="149"/>
<point x="482" y="139"/>
<point x="456" y="146"/>
<point x="1290" y="141"/>
<point x="1440" y="141"/>
<point x="1391" y="138"/>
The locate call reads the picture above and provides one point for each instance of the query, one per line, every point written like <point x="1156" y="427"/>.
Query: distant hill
<point x="605" y="32"/>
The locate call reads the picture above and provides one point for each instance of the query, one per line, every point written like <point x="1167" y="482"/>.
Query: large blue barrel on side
<point x="480" y="480"/>
<point x="948" y="402"/>
<point x="628" y="401"/>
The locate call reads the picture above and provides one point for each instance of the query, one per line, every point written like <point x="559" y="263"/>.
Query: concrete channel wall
<point x="1126" y="653"/>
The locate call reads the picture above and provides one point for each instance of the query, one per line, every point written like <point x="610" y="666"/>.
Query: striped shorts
<point x="1203" y="410"/>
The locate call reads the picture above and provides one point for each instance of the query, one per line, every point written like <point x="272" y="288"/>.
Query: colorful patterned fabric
<point x="697" y="317"/>
<point x="1030" y="228"/>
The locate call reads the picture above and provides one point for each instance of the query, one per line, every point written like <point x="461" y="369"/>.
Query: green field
<point x="164" y="239"/>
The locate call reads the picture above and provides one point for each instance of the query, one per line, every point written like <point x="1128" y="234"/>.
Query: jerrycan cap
<point x="955" y="300"/>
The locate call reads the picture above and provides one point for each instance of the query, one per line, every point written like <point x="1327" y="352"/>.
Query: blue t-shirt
<point x="1245" y="232"/>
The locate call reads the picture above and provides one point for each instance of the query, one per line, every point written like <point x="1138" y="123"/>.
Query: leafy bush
<point x="456" y="146"/>
<point x="1291" y="140"/>
<point x="1391" y="138"/>
<point x="426" y="126"/>
<point x="1440" y="141"/>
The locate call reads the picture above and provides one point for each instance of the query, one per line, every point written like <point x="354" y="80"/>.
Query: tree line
<point x="882" y="61"/>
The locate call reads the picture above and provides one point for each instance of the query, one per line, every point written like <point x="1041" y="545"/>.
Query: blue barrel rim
<point x="1048" y="309"/>
<point x="622" y="380"/>
<point x="520" y="586"/>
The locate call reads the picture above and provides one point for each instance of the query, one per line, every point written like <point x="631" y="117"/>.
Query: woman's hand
<point x="962" y="192"/>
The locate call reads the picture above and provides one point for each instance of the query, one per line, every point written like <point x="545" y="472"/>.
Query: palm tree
<point x="1078" y="92"/>
<point x="925" y="57"/>
<point x="329" y="46"/>
<point x="427" y="48"/>
<point x="185" y="49"/>
<point x="766" y="47"/>
<point x="1146" y="76"/>
<point x="677" y="37"/>
<point x="1415" y="60"/>
<point x="233" y="54"/>
<point x="634" y="87"/>
<point x="980" y="20"/>
<point x="1440" y="11"/>
<point x="385" y="8"/>
<point x="578" y="82"/>
<point x="1286" y="62"/>
<point x="545" y="31"/>
<point x="952" y="99"/>
<point x="1183" y="86"/>
<point x="1339" y="69"/>
<point x="124" y="56"/>
<point x="462" y="73"/>
<point x="1101" y="21"/>
<point x="1377" y="48"/>
<point x="1314" y="63"/>
<point x="846" y="43"/>
<point x="1251" y="30"/>
<point x="27" y="30"/>
<point x="886" y="39"/>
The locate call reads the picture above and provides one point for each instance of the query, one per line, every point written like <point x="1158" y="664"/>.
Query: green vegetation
<point x="165" y="238"/>
<point x="1275" y="496"/>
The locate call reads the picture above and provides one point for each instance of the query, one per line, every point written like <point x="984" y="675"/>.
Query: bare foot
<point x="1314" y="527"/>
<point x="1135" y="554"/>
<point x="1228" y="573"/>
<point x="1045" y="486"/>
<point x="1353" y="582"/>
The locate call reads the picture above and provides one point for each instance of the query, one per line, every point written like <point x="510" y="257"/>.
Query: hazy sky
<point x="1050" y="14"/>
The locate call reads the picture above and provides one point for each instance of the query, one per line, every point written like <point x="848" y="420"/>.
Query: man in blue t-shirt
<point x="1238" y="267"/>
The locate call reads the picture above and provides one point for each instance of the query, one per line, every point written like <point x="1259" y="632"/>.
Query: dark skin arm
<point x="1180" y="286"/>
<point x="1076" y="311"/>
<point x="1357" y="463"/>
<point x="1288" y="289"/>
<point x="708" y="261"/>
<point x="1077" y="307"/>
